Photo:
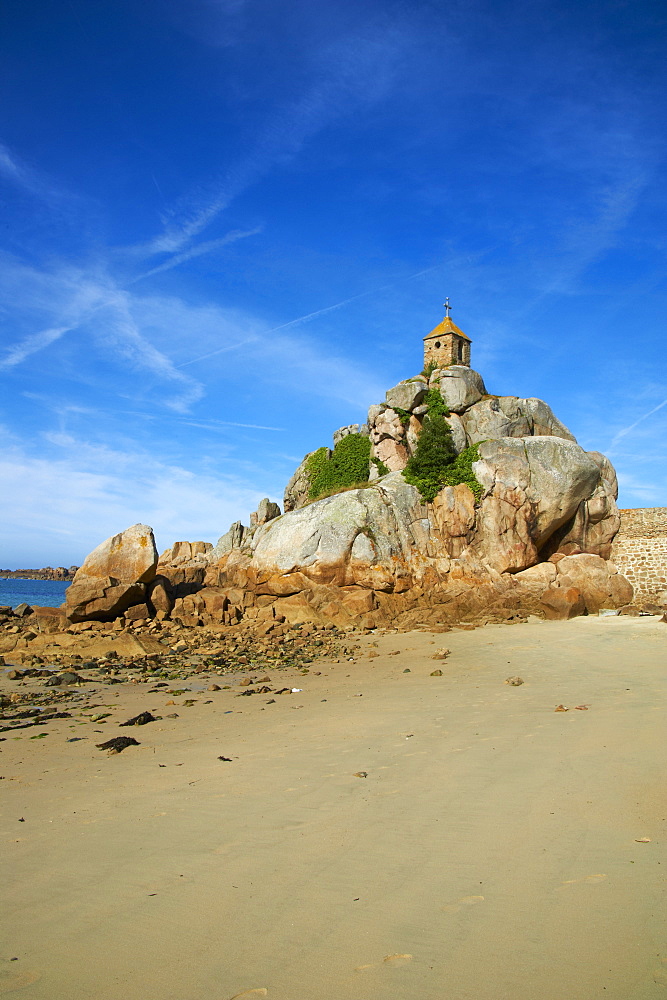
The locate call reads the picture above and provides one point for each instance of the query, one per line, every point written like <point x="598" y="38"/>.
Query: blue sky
<point x="227" y="225"/>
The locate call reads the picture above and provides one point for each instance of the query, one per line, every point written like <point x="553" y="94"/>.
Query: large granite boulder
<point x="533" y="486"/>
<point x="407" y="395"/>
<point x="113" y="577"/>
<point x="266" y="511"/>
<point x="460" y="387"/>
<point x="232" y="539"/>
<point x="510" y="416"/>
<point x="187" y="553"/>
<point x="356" y="537"/>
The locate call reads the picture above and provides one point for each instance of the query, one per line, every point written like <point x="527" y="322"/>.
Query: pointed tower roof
<point x="447" y="326"/>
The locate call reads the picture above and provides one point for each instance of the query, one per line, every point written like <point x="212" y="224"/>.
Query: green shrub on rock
<point x="460" y="471"/>
<point x="383" y="469"/>
<point x="435" y="463"/>
<point x="435" y="452"/>
<point x="348" y="465"/>
<point x="437" y="407"/>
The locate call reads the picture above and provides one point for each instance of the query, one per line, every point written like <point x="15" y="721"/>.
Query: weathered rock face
<point x="461" y="387"/>
<point x="349" y="429"/>
<point x="510" y="416"/>
<point x="407" y="395"/>
<point x="114" y="576"/>
<point x="534" y="486"/>
<point x="537" y="540"/>
<point x="379" y="553"/>
<point x="296" y="491"/>
<point x="458" y="432"/>
<point x="394" y="426"/>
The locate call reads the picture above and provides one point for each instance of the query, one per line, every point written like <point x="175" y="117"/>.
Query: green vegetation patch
<point x="461" y="471"/>
<point x="437" y="407"/>
<point x="403" y="415"/>
<point x="435" y="452"/>
<point x="435" y="463"/>
<point x="347" y="466"/>
<point x="383" y="469"/>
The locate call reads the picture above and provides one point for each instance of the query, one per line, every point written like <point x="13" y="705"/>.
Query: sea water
<point x="42" y="593"/>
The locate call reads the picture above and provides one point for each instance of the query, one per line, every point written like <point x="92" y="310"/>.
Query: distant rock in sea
<point x="48" y="573"/>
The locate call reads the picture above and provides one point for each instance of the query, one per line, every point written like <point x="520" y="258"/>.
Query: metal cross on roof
<point x="447" y="306"/>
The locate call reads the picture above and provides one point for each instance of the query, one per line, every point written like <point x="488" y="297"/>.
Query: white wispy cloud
<point x="355" y="72"/>
<point x="93" y="492"/>
<point x="15" y="171"/>
<point x="12" y="169"/>
<point x="8" y="165"/>
<point x="220" y="425"/>
<point x="308" y="317"/>
<point x="116" y="327"/>
<point x="92" y="305"/>
<point x="31" y="345"/>
<point x="207" y="246"/>
<point x="631" y="427"/>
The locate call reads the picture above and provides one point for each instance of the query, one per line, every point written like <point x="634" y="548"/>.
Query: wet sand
<point x="495" y="849"/>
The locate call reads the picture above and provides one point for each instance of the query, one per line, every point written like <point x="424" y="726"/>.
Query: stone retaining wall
<point x="640" y="550"/>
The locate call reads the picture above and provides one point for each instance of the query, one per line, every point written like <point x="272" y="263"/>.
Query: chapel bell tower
<point x="446" y="344"/>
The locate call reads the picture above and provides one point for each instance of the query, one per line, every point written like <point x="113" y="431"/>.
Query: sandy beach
<point x="380" y="833"/>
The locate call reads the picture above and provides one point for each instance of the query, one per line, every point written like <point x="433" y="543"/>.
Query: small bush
<point x="347" y="466"/>
<point x="403" y="415"/>
<point x="435" y="451"/>
<point x="383" y="469"/>
<point x="428" y="369"/>
<point x="435" y="463"/>
<point x="437" y="407"/>
<point x="460" y="471"/>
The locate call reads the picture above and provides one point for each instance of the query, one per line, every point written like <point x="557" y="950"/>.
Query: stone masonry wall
<point x="446" y="352"/>
<point x="640" y="550"/>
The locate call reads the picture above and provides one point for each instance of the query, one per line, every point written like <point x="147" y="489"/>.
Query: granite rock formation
<point x="113" y="577"/>
<point x="538" y="539"/>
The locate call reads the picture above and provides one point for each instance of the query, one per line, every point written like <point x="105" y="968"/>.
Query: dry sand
<point x="496" y="849"/>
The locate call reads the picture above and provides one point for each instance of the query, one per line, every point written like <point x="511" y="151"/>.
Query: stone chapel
<point x="447" y="344"/>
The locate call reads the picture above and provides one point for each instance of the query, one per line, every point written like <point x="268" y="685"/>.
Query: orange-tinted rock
<point x="113" y="576"/>
<point x="562" y="604"/>
<point x="138" y="612"/>
<point x="158" y="595"/>
<point x="357" y="601"/>
<point x="283" y="586"/>
<point x="128" y="557"/>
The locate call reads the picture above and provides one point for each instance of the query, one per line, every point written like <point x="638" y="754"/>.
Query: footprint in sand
<point x="393" y="961"/>
<point x="591" y="879"/>
<point x="463" y="901"/>
<point x="12" y="978"/>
